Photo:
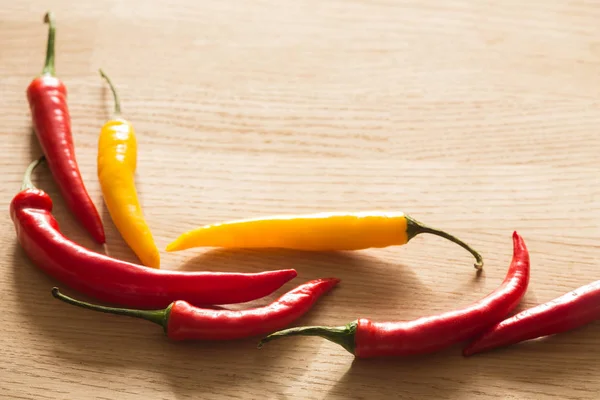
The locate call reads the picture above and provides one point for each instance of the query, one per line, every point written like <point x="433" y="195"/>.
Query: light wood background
<point x="478" y="117"/>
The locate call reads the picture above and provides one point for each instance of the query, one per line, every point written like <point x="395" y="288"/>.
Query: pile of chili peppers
<point x="183" y="302"/>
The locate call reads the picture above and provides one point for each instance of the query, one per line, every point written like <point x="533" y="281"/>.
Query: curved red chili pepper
<point x="117" y="281"/>
<point x="47" y="97"/>
<point x="572" y="310"/>
<point x="182" y="321"/>
<point x="366" y="338"/>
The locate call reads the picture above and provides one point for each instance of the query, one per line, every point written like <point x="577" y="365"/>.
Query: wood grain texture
<point x="478" y="117"/>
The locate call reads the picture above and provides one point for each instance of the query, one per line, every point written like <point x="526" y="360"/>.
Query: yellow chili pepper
<point x="117" y="159"/>
<point x="314" y="232"/>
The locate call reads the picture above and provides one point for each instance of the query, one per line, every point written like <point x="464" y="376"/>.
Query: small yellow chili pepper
<point x="117" y="159"/>
<point x="314" y="232"/>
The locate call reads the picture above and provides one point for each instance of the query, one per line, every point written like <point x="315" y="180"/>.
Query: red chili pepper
<point x="117" y="281"/>
<point x="572" y="310"/>
<point x="365" y="338"/>
<point x="47" y="97"/>
<point x="182" y="321"/>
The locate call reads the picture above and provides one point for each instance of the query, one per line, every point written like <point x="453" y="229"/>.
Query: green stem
<point x="342" y="335"/>
<point x="27" y="184"/>
<point x="160" y="317"/>
<point x="114" y="92"/>
<point x="414" y="227"/>
<point x="49" y="63"/>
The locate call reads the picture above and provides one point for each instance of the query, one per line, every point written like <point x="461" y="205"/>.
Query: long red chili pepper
<point x="366" y="338"/>
<point x="47" y="97"/>
<point x="182" y="321"/>
<point x="570" y="311"/>
<point x="117" y="281"/>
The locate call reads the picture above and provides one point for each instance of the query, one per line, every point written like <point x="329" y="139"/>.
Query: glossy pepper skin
<point x="119" y="282"/>
<point x="47" y="97"/>
<point x="182" y="321"/>
<point x="570" y="311"/>
<point x="117" y="158"/>
<point x="329" y="231"/>
<point x="366" y="339"/>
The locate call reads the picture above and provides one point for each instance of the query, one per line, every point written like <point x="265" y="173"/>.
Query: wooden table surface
<point x="477" y="117"/>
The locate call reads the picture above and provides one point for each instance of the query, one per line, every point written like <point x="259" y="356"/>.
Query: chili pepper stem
<point x="27" y="184"/>
<point x="49" y="63"/>
<point x="414" y="227"/>
<point x="159" y="317"/>
<point x="114" y="93"/>
<point x="342" y="335"/>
